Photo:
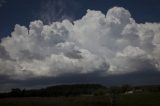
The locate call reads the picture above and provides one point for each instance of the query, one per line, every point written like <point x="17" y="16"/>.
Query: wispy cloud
<point x="57" y="10"/>
<point x="2" y="2"/>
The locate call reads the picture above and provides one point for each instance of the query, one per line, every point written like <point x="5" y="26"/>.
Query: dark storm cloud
<point x="137" y="78"/>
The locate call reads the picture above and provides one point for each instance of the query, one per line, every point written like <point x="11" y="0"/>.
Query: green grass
<point x="143" y="99"/>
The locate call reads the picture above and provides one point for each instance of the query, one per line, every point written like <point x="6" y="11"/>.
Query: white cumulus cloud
<point x="112" y="44"/>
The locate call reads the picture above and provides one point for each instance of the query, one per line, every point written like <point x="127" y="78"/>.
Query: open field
<point x="56" y="101"/>
<point x="142" y="99"/>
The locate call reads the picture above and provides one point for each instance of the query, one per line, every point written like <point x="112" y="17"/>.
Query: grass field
<point x="143" y="99"/>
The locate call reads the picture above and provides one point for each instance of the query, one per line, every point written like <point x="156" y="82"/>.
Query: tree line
<point x="54" y="91"/>
<point x="77" y="90"/>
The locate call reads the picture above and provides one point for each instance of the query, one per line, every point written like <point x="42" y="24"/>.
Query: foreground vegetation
<point x="56" y="101"/>
<point x="83" y="95"/>
<point x="143" y="99"/>
<point x="140" y="99"/>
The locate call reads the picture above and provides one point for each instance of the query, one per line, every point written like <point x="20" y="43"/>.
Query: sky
<point x="49" y="42"/>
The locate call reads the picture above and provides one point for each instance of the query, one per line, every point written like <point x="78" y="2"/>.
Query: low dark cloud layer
<point x="136" y="78"/>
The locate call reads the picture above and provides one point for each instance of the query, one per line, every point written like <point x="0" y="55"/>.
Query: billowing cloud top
<point x="110" y="44"/>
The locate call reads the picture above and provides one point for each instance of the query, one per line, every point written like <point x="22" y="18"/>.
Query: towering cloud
<point x="110" y="44"/>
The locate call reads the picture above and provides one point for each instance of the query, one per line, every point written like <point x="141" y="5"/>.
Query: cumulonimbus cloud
<point x="112" y="44"/>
